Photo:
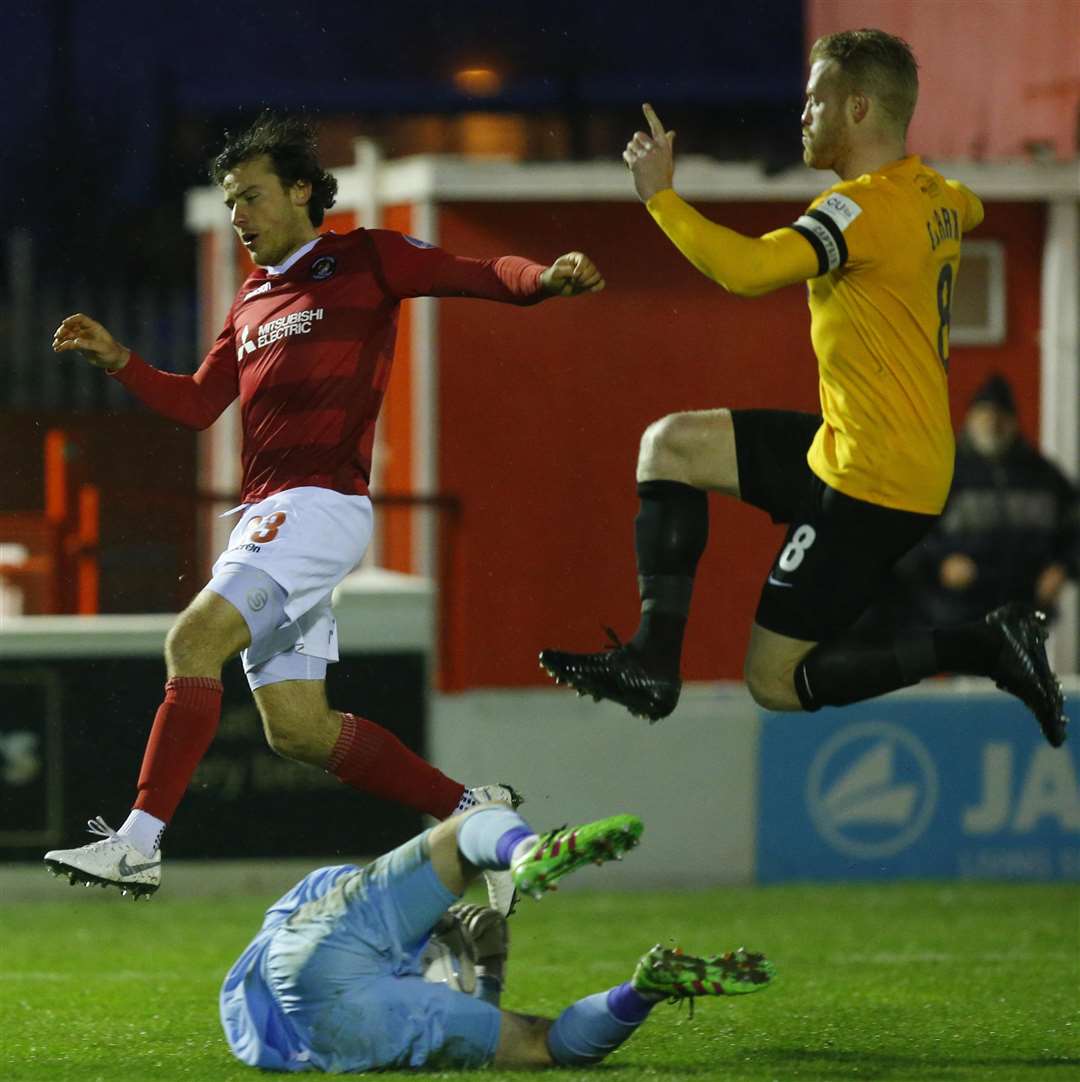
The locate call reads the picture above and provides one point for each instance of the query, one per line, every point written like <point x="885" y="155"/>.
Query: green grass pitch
<point x="901" y="981"/>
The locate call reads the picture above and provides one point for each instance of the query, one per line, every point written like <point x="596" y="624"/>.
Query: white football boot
<point x="112" y="862"/>
<point x="502" y="895"/>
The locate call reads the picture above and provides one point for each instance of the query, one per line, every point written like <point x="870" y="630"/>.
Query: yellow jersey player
<point x="859" y="485"/>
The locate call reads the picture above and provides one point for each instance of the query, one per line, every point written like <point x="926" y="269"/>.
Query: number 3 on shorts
<point x="264" y="530"/>
<point x="795" y="550"/>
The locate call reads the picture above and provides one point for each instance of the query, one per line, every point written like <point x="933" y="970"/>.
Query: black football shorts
<point x="837" y="552"/>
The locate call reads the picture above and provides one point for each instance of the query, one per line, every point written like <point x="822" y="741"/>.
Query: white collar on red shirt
<point x="300" y="252"/>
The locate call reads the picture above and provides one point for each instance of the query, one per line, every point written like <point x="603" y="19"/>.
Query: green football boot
<point x="561" y="851"/>
<point x="674" y="975"/>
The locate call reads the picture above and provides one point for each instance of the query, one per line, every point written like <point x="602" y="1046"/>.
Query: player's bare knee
<point x="757" y="685"/>
<point x="696" y="447"/>
<point x="666" y="448"/>
<point x="771" y="688"/>
<point x="445" y="834"/>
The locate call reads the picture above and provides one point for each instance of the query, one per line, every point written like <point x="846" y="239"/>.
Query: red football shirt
<point x="309" y="351"/>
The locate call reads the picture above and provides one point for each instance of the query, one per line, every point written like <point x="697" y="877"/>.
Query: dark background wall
<point x="114" y="109"/>
<point x="118" y="105"/>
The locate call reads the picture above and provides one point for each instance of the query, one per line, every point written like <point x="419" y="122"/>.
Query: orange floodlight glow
<point x="478" y="82"/>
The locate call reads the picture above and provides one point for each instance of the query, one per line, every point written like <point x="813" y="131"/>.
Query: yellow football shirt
<point x="886" y="247"/>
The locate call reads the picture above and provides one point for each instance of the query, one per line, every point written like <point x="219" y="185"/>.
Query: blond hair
<point x="880" y="65"/>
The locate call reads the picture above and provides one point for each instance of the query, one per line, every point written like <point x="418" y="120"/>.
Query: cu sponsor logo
<point x="842" y="210"/>
<point x="872" y="789"/>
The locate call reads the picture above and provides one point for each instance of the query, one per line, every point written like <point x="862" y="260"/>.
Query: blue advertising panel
<point x="910" y="786"/>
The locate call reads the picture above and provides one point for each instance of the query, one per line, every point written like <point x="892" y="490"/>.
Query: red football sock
<point x="373" y="760"/>
<point x="183" y="729"/>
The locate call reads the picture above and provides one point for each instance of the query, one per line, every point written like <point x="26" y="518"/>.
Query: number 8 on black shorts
<point x="837" y="551"/>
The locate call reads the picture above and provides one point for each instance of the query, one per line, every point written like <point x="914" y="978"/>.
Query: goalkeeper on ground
<point x="360" y="969"/>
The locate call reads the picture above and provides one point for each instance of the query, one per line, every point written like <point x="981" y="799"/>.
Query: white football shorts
<point x="307" y="540"/>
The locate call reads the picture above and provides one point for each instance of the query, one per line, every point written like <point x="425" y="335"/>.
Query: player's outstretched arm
<point x="195" y="401"/>
<point x="747" y="266"/>
<point x="570" y="275"/>
<point x="88" y="337"/>
<point x="412" y="268"/>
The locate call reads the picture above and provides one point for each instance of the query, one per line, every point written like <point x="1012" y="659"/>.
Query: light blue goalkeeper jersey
<point x="332" y="981"/>
<point x="257" y="1030"/>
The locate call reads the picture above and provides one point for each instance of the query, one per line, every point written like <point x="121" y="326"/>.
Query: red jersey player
<point x="307" y="348"/>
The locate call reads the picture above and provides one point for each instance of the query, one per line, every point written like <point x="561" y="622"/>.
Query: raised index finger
<point x="655" y="126"/>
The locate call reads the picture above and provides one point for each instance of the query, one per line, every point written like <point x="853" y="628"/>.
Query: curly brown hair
<point x="291" y="145"/>
<point x="877" y="63"/>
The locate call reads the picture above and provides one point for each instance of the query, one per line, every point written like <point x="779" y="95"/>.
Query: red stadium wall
<point x="972" y="106"/>
<point x="541" y="410"/>
<point x="1021" y="227"/>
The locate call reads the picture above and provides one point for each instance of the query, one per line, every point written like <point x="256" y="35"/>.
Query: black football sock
<point x="670" y="532"/>
<point x="971" y="649"/>
<point x="844" y="671"/>
<point x="848" y="670"/>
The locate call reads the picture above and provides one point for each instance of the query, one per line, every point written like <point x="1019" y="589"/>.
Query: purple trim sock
<point x="628" y="1005"/>
<point x="483" y="834"/>
<point x="587" y="1031"/>
<point x="505" y="846"/>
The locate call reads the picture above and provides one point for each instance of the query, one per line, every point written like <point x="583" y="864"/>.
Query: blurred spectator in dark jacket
<point x="1009" y="532"/>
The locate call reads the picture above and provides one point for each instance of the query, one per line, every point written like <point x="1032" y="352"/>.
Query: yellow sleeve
<point x="747" y="266"/>
<point x="973" y="208"/>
